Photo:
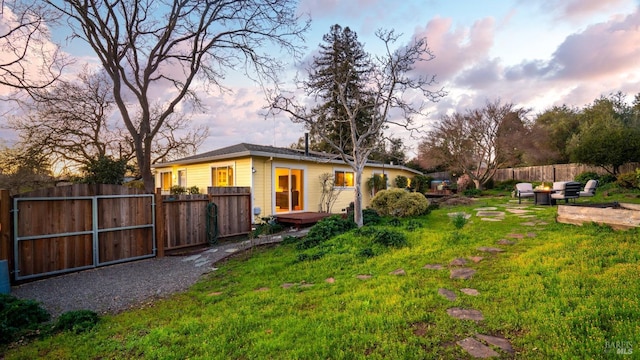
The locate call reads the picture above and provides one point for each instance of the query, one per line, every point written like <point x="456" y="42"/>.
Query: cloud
<point x="579" y="9"/>
<point x="455" y="49"/>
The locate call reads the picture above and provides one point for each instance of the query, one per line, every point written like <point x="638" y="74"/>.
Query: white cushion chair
<point x="589" y="188"/>
<point x="569" y="190"/>
<point x="524" y="190"/>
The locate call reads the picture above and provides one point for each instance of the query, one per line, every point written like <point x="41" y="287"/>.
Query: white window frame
<point x="345" y="171"/>
<point x="185" y="177"/>
<point x="231" y="165"/>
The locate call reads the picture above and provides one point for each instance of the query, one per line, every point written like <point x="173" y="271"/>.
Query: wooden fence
<point x="194" y="220"/>
<point x="550" y="173"/>
<point x="62" y="229"/>
<point x="81" y="226"/>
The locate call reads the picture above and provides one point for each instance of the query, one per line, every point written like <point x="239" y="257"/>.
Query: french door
<point x="288" y="190"/>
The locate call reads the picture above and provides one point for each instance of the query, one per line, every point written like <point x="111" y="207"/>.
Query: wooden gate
<point x="82" y="226"/>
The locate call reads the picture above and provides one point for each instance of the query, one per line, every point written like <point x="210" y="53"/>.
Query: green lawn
<point x="561" y="292"/>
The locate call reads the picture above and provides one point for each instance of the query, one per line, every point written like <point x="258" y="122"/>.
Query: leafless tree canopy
<point x="479" y="141"/>
<point x="383" y="88"/>
<point x="29" y="60"/>
<point x="155" y="49"/>
<point x="75" y="123"/>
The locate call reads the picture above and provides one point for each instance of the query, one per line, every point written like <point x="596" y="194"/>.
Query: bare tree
<point x="23" y="169"/>
<point x="149" y="45"/>
<point x="329" y="193"/>
<point x="480" y="141"/>
<point x="382" y="84"/>
<point x="30" y="61"/>
<point x="74" y="124"/>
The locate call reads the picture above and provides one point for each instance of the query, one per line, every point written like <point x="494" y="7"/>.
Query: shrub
<point x="194" y="190"/>
<point x="398" y="202"/>
<point x="472" y="192"/>
<point x="459" y="220"/>
<point x="324" y="230"/>
<point x="402" y="182"/>
<point x="420" y="183"/>
<point x="366" y="253"/>
<point x="586" y="176"/>
<point x="17" y="316"/>
<point x="370" y="217"/>
<point x="413" y="225"/>
<point x="627" y="180"/>
<point x="606" y="179"/>
<point x="77" y="321"/>
<point x="506" y="185"/>
<point x="390" y="238"/>
<point x="178" y="190"/>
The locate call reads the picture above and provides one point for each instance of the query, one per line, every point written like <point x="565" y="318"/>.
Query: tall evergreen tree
<point x="338" y="71"/>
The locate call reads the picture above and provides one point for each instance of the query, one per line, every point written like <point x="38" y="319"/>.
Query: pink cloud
<point x="455" y="49"/>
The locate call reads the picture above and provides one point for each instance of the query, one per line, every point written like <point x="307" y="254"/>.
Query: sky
<point x="532" y="53"/>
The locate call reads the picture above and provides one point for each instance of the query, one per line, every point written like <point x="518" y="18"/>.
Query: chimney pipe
<point x="306" y="144"/>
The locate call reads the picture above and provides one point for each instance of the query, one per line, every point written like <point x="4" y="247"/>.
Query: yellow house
<point x="281" y="180"/>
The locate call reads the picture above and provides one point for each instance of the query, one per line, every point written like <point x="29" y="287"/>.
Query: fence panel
<point x="234" y="209"/>
<point x="81" y="226"/>
<point x="185" y="217"/>
<point x="550" y="173"/>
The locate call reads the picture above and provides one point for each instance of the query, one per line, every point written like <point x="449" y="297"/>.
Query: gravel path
<point x="115" y="288"/>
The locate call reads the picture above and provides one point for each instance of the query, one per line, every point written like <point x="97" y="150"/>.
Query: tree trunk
<point x="357" y="203"/>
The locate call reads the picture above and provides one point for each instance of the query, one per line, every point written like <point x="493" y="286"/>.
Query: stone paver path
<point x="398" y="272"/>
<point x="471" y="292"/>
<point x="462" y="273"/>
<point x="493" y="250"/>
<point x="450" y="295"/>
<point x="465" y="314"/>
<point x="477" y="349"/>
<point x="502" y="343"/>
<point x="458" y="262"/>
<point x="433" y="267"/>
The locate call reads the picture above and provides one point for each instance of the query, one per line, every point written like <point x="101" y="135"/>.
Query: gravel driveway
<point x="115" y="288"/>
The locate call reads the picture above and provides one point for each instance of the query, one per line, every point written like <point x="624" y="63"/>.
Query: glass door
<point x="289" y="190"/>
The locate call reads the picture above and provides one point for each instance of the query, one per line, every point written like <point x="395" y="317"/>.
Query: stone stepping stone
<point x="433" y="267"/>
<point x="210" y="251"/>
<point x="306" y="285"/>
<point x="491" y="219"/>
<point x="500" y="342"/>
<point x="398" y="272"/>
<point x="458" y="262"/>
<point x="216" y="293"/>
<point x="519" y="211"/>
<point x="477" y="349"/>
<point x="466" y="216"/>
<point x="364" y="277"/>
<point x="493" y="250"/>
<point x="531" y="235"/>
<point x="505" y="242"/>
<point x="450" y="295"/>
<point x="529" y="223"/>
<point x="470" y="292"/>
<point x="232" y="250"/>
<point x="202" y="262"/>
<point x="515" y="236"/>
<point x="330" y="280"/>
<point x="526" y="216"/>
<point x="288" y="285"/>
<point x="465" y="314"/>
<point x="462" y="273"/>
<point x="490" y="214"/>
<point x="476" y="259"/>
<point x="262" y="289"/>
<point x="488" y="208"/>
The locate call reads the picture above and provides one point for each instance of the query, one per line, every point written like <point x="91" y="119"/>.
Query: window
<point x="343" y="178"/>
<point x="165" y="180"/>
<point x="222" y="176"/>
<point x="182" y="178"/>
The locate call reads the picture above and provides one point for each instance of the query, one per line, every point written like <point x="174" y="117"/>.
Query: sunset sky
<point x="535" y="53"/>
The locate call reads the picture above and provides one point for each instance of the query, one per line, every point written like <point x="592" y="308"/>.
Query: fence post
<point x="160" y="226"/>
<point x="5" y="226"/>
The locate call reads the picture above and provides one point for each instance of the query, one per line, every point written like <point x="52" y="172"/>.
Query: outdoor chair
<point x="589" y="188"/>
<point x="569" y="190"/>
<point x="558" y="186"/>
<point x="524" y="190"/>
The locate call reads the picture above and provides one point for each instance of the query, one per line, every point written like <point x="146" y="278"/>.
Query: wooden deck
<point x="302" y="219"/>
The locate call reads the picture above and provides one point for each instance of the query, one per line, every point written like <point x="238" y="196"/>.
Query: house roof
<point x="245" y="149"/>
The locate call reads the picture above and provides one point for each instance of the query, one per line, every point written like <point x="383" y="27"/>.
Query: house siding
<point x="257" y="173"/>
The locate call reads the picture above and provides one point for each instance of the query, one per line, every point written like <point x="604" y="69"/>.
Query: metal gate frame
<point x="94" y="232"/>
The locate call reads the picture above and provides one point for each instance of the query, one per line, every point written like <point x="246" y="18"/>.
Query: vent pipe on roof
<point x="306" y="144"/>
